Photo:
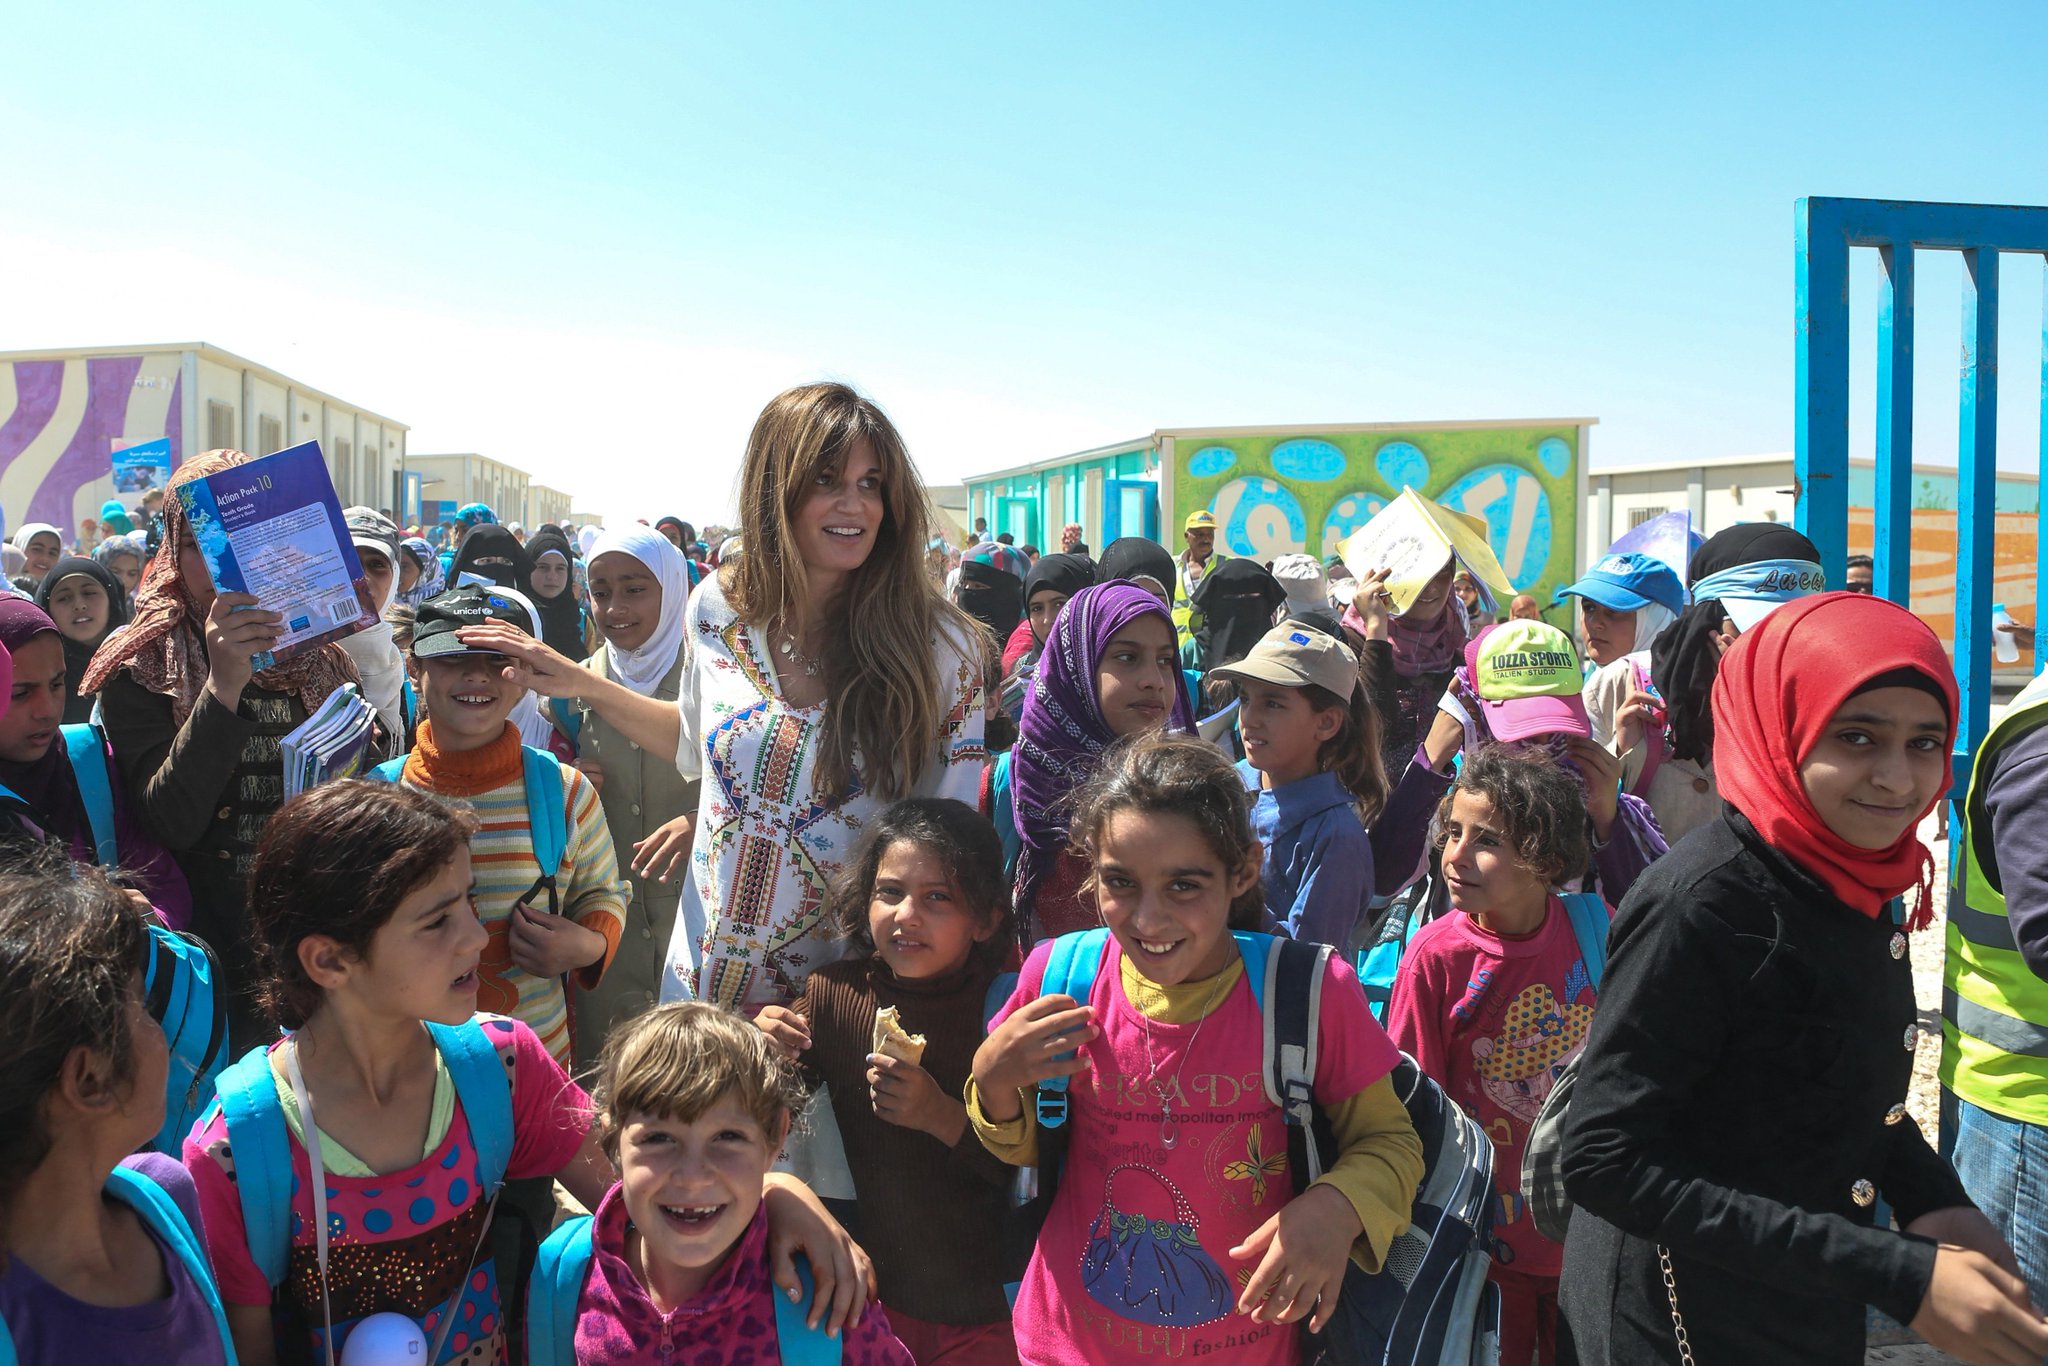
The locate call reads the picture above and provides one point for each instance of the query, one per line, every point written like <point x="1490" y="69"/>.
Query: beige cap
<point x="1292" y="655"/>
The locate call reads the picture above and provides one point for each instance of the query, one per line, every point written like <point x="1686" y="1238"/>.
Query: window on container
<point x="344" y="468"/>
<point x="220" y="425"/>
<point x="1637" y="516"/>
<point x="269" y="435"/>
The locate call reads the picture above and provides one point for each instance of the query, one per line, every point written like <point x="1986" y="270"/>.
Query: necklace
<point x="791" y="654"/>
<point x="1169" y="1127"/>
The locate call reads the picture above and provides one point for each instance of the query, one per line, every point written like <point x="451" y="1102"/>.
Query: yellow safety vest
<point x="1994" y="1026"/>
<point x="1186" y="620"/>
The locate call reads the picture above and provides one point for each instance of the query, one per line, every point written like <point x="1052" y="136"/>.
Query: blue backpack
<point x="88" y="754"/>
<point x="556" y="1289"/>
<point x="545" y="816"/>
<point x="1432" y="1304"/>
<point x="182" y="979"/>
<point x="164" y="1219"/>
<point x="181" y="987"/>
<point x="261" y="1140"/>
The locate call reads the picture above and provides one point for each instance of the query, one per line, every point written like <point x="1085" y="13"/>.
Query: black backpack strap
<point x="1292" y="998"/>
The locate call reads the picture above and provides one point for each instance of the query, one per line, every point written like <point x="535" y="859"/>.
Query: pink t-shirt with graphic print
<point x="1495" y="1021"/>
<point x="1134" y="1259"/>
<point x="400" y="1241"/>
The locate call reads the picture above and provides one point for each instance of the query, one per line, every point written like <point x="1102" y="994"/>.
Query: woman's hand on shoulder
<point x="788" y="1032"/>
<point x="1024" y="1049"/>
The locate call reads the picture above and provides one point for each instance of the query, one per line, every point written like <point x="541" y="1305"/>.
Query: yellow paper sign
<point x="1414" y="539"/>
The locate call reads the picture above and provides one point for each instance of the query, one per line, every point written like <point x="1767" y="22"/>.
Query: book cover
<point x="142" y="465"/>
<point x="1412" y="537"/>
<point x="273" y="528"/>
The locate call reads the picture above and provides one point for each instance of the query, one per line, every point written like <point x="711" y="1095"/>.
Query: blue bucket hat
<point x="1629" y="583"/>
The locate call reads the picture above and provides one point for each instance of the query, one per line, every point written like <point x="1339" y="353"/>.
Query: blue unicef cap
<point x="1629" y="583"/>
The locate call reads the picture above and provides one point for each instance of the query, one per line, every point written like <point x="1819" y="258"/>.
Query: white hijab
<point x="1650" y="622"/>
<point x="585" y="539"/>
<point x="377" y="655"/>
<point x="643" y="669"/>
<point x="34" y="529"/>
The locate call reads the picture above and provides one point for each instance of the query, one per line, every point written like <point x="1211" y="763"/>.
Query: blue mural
<point x="1211" y="461"/>
<point x="1402" y="464"/>
<point x="1259" y="518"/>
<point x="1312" y="461"/>
<point x="1517" y="513"/>
<point x="1351" y="512"/>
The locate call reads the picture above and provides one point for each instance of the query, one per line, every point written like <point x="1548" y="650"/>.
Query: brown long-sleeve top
<point x="931" y="1216"/>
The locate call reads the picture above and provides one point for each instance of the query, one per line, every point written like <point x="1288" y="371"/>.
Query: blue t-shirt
<point x="1318" y="869"/>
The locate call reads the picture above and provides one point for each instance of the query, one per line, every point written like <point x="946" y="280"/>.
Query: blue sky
<point x="593" y="240"/>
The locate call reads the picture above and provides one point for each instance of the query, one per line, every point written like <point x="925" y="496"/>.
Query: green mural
<point x="1278" y="495"/>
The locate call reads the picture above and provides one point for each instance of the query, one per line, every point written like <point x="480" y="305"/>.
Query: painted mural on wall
<point x="61" y="419"/>
<point x="2015" y="547"/>
<point x="1277" y="495"/>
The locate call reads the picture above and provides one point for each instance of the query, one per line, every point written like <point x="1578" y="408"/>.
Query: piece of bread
<point x="892" y="1040"/>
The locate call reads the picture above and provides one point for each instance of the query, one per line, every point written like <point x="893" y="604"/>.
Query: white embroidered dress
<point x="751" y="924"/>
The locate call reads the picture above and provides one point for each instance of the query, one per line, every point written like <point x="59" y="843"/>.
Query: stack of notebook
<point x="333" y="743"/>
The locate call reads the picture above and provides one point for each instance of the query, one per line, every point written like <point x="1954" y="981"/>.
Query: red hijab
<point x="1777" y="688"/>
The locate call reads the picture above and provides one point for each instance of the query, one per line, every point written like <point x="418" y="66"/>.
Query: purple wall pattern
<point x="89" y="445"/>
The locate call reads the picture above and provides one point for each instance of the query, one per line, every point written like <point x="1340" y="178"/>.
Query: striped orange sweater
<point x="491" y="781"/>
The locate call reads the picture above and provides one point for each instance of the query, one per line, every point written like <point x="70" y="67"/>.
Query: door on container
<point x="1019" y="517"/>
<point x="1130" y="507"/>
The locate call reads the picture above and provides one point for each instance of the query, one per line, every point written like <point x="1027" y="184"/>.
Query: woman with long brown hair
<point x="828" y="677"/>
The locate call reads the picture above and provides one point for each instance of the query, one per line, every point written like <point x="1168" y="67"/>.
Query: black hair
<point x="337" y="861"/>
<point x="1160" y="774"/>
<point x="1540" y="804"/>
<point x="72" y="951"/>
<point x="964" y="842"/>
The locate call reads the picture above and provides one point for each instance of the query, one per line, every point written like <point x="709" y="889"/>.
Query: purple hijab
<point x="46" y="784"/>
<point x="49" y="787"/>
<point x="1061" y="736"/>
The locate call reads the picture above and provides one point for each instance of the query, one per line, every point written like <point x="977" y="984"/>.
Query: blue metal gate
<point x="1828" y="228"/>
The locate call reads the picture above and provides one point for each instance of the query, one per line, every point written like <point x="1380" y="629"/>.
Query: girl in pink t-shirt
<point x="1493" y="999"/>
<point x="1176" y="1230"/>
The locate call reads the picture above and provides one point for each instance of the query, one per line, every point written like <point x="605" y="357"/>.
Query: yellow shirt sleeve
<point x="1378" y="1167"/>
<point x="1014" y="1141"/>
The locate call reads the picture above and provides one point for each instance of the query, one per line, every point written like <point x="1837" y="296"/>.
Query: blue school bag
<point x="86" y="750"/>
<point x="261" y="1141"/>
<point x="181" y="987"/>
<point x="545" y="816"/>
<point x="556" y="1289"/>
<point x="160" y="1213"/>
<point x="88" y="755"/>
<point x="1431" y="1305"/>
<point x="181" y="980"/>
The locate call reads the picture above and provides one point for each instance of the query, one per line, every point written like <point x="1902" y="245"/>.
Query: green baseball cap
<point x="1528" y="679"/>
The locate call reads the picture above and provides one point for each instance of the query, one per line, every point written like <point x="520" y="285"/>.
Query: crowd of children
<point x="785" y="953"/>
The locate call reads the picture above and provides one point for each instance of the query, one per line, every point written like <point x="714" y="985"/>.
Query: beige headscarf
<point x="168" y="658"/>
